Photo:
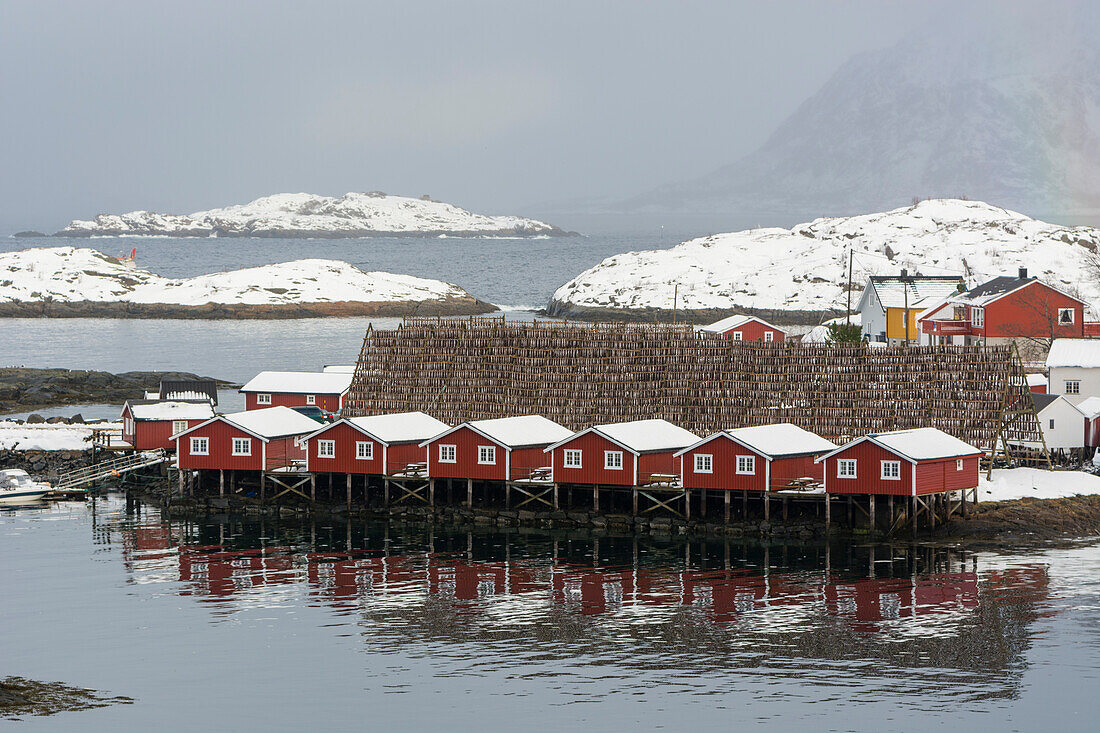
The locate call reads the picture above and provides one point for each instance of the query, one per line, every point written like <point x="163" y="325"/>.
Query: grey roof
<point x="1041" y="400"/>
<point x="181" y="390"/>
<point x="999" y="287"/>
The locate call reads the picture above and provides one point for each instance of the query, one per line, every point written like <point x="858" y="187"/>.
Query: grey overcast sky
<point x="179" y="106"/>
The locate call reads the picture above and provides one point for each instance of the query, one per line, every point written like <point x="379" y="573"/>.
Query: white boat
<point x="17" y="487"/>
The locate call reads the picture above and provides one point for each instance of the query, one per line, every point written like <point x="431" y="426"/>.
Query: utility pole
<point x="848" y="310"/>
<point x="905" y="313"/>
<point x="675" y="295"/>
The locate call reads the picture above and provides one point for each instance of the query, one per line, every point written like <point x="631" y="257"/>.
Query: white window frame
<point x="890" y="470"/>
<point x="448" y="453"/>
<point x="613" y="460"/>
<point x="977" y="317"/>
<point x="200" y="446"/>
<point x="247" y="442"/>
<point x="364" y="450"/>
<point x="746" y="465"/>
<point x="1073" y="386"/>
<point x="1072" y="316"/>
<point x="959" y="464"/>
<point x="487" y="455"/>
<point x="263" y="398"/>
<point x="178" y="426"/>
<point x="704" y="463"/>
<point x="842" y="464"/>
<point x="572" y="458"/>
<point x="769" y="336"/>
<point x="738" y="336"/>
<point x="311" y="399"/>
<point x="326" y="448"/>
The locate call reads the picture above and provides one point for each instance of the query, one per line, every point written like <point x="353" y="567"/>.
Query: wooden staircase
<point x="109" y="469"/>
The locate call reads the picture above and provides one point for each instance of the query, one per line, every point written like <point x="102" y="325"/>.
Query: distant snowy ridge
<point x="805" y="268"/>
<point x="301" y="215"/>
<point x="80" y="275"/>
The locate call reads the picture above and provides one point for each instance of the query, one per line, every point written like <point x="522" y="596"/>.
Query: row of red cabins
<point x="757" y="459"/>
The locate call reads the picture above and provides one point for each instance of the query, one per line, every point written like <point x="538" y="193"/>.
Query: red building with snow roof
<point x="150" y="424"/>
<point x="297" y="389"/>
<point x="761" y="458"/>
<point x="379" y="445"/>
<point x="619" y="454"/>
<point x="746" y="328"/>
<point x="504" y="449"/>
<point x="254" y="440"/>
<point x="902" y="463"/>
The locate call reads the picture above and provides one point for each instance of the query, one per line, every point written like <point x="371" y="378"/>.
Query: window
<point x="311" y="399"/>
<point x="1051" y="423"/>
<point x="326" y="448"/>
<point x="263" y="399"/>
<point x="769" y="336"/>
<point x="736" y="335"/>
<point x="959" y="464"/>
<point x="1073" y="386"/>
<point x="242" y="446"/>
<point x="746" y="465"/>
<point x="178" y="426"/>
<point x="486" y="454"/>
<point x="447" y="454"/>
<point x="977" y="317"/>
<point x="704" y="463"/>
<point x="1065" y="316"/>
<point x="572" y="458"/>
<point x="613" y="460"/>
<point x="200" y="446"/>
<point x="364" y="450"/>
<point x="891" y="470"/>
<point x="846" y="468"/>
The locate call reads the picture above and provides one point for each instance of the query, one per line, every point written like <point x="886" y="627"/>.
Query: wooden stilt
<point x="744" y="504"/>
<point x="263" y="488"/>
<point x="221" y="482"/>
<point x="890" y="511"/>
<point x="962" y="503"/>
<point x="785" y="500"/>
<point x="702" y="503"/>
<point x="871" y="512"/>
<point x="914" y="503"/>
<point x="932" y="514"/>
<point x="828" y="514"/>
<point x="767" y="505"/>
<point x="555" y="496"/>
<point x="850" y="524"/>
<point x="349" y="492"/>
<point x="469" y="493"/>
<point x="181" y="481"/>
<point x="507" y="494"/>
<point x="313" y="487"/>
<point x="431" y="492"/>
<point x="687" y="504"/>
<point x="727" y="512"/>
<point x="634" y="497"/>
<point x="386" y="492"/>
<point x="595" y="498"/>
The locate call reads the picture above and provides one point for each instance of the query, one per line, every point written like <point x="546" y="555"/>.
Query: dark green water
<point x="283" y="626"/>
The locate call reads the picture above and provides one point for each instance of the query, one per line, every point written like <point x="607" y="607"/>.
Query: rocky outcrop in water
<point x="24" y="389"/>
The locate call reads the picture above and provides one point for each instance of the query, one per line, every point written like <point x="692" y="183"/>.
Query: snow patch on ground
<point x="806" y="267"/>
<point x="49" y="437"/>
<point x="1034" y="483"/>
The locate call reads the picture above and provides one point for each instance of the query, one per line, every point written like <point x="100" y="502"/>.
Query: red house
<point x="1004" y="309"/>
<point x="380" y="445"/>
<point x="761" y="458"/>
<point x="150" y="424"/>
<point x="504" y="449"/>
<point x="619" y="454"/>
<point x="254" y="440"/>
<point x="902" y="463"/>
<point x="1090" y="408"/>
<point x="746" y="328"/>
<point x="297" y="389"/>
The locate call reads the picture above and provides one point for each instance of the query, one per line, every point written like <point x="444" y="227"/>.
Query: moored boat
<point x="17" y="487"/>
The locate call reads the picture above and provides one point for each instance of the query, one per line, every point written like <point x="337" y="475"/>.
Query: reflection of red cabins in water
<point x="873" y="600"/>
<point x="212" y="571"/>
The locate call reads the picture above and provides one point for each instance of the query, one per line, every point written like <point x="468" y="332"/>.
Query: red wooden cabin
<point x="746" y="328"/>
<point x="619" y="454"/>
<point x="254" y="440"/>
<point x="150" y="424"/>
<point x="902" y="463"/>
<point x="761" y="458"/>
<point x="504" y="449"/>
<point x="297" y="389"/>
<point x="379" y="445"/>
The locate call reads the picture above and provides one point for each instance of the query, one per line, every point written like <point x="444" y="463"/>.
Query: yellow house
<point x="888" y="301"/>
<point x="895" y="323"/>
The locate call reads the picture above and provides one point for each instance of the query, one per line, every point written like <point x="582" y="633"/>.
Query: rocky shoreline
<point x="458" y="306"/>
<point x="24" y="389"/>
<point x="779" y="317"/>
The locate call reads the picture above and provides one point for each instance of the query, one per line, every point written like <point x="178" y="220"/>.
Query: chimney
<point x="1023" y="273"/>
<point x="904" y="273"/>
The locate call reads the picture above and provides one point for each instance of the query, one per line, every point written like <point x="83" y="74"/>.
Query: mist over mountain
<point x="1003" y="108"/>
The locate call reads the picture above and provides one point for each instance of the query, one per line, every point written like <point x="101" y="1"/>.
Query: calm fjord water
<point x="283" y="626"/>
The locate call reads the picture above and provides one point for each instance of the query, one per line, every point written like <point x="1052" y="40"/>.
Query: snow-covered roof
<point x="515" y="432"/>
<point x="917" y="444"/>
<point x="775" y="441"/>
<point x="299" y="382"/>
<point x="401" y="427"/>
<point x="1074" y="353"/>
<point x="265" y="424"/>
<point x="640" y="436"/>
<point x="999" y="287"/>
<point x="1035" y="380"/>
<point x="338" y="368"/>
<point x="894" y="291"/>
<point x="1089" y="407"/>
<point x="171" y="410"/>
<point x="731" y="322"/>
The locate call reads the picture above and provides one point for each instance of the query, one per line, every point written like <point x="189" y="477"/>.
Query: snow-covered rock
<point x="805" y="268"/>
<point x="306" y="215"/>
<point x="79" y="275"/>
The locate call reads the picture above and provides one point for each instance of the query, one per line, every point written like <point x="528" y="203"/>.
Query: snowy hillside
<point x="996" y="106"/>
<point x="305" y="215"/>
<point x="805" y="268"/>
<point x="79" y="275"/>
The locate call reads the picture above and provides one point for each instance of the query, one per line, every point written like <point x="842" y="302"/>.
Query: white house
<point x="1073" y="369"/>
<point x="1063" y="425"/>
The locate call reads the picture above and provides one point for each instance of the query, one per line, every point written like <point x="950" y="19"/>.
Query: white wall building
<point x="1073" y="369"/>
<point x="1063" y="425"/>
